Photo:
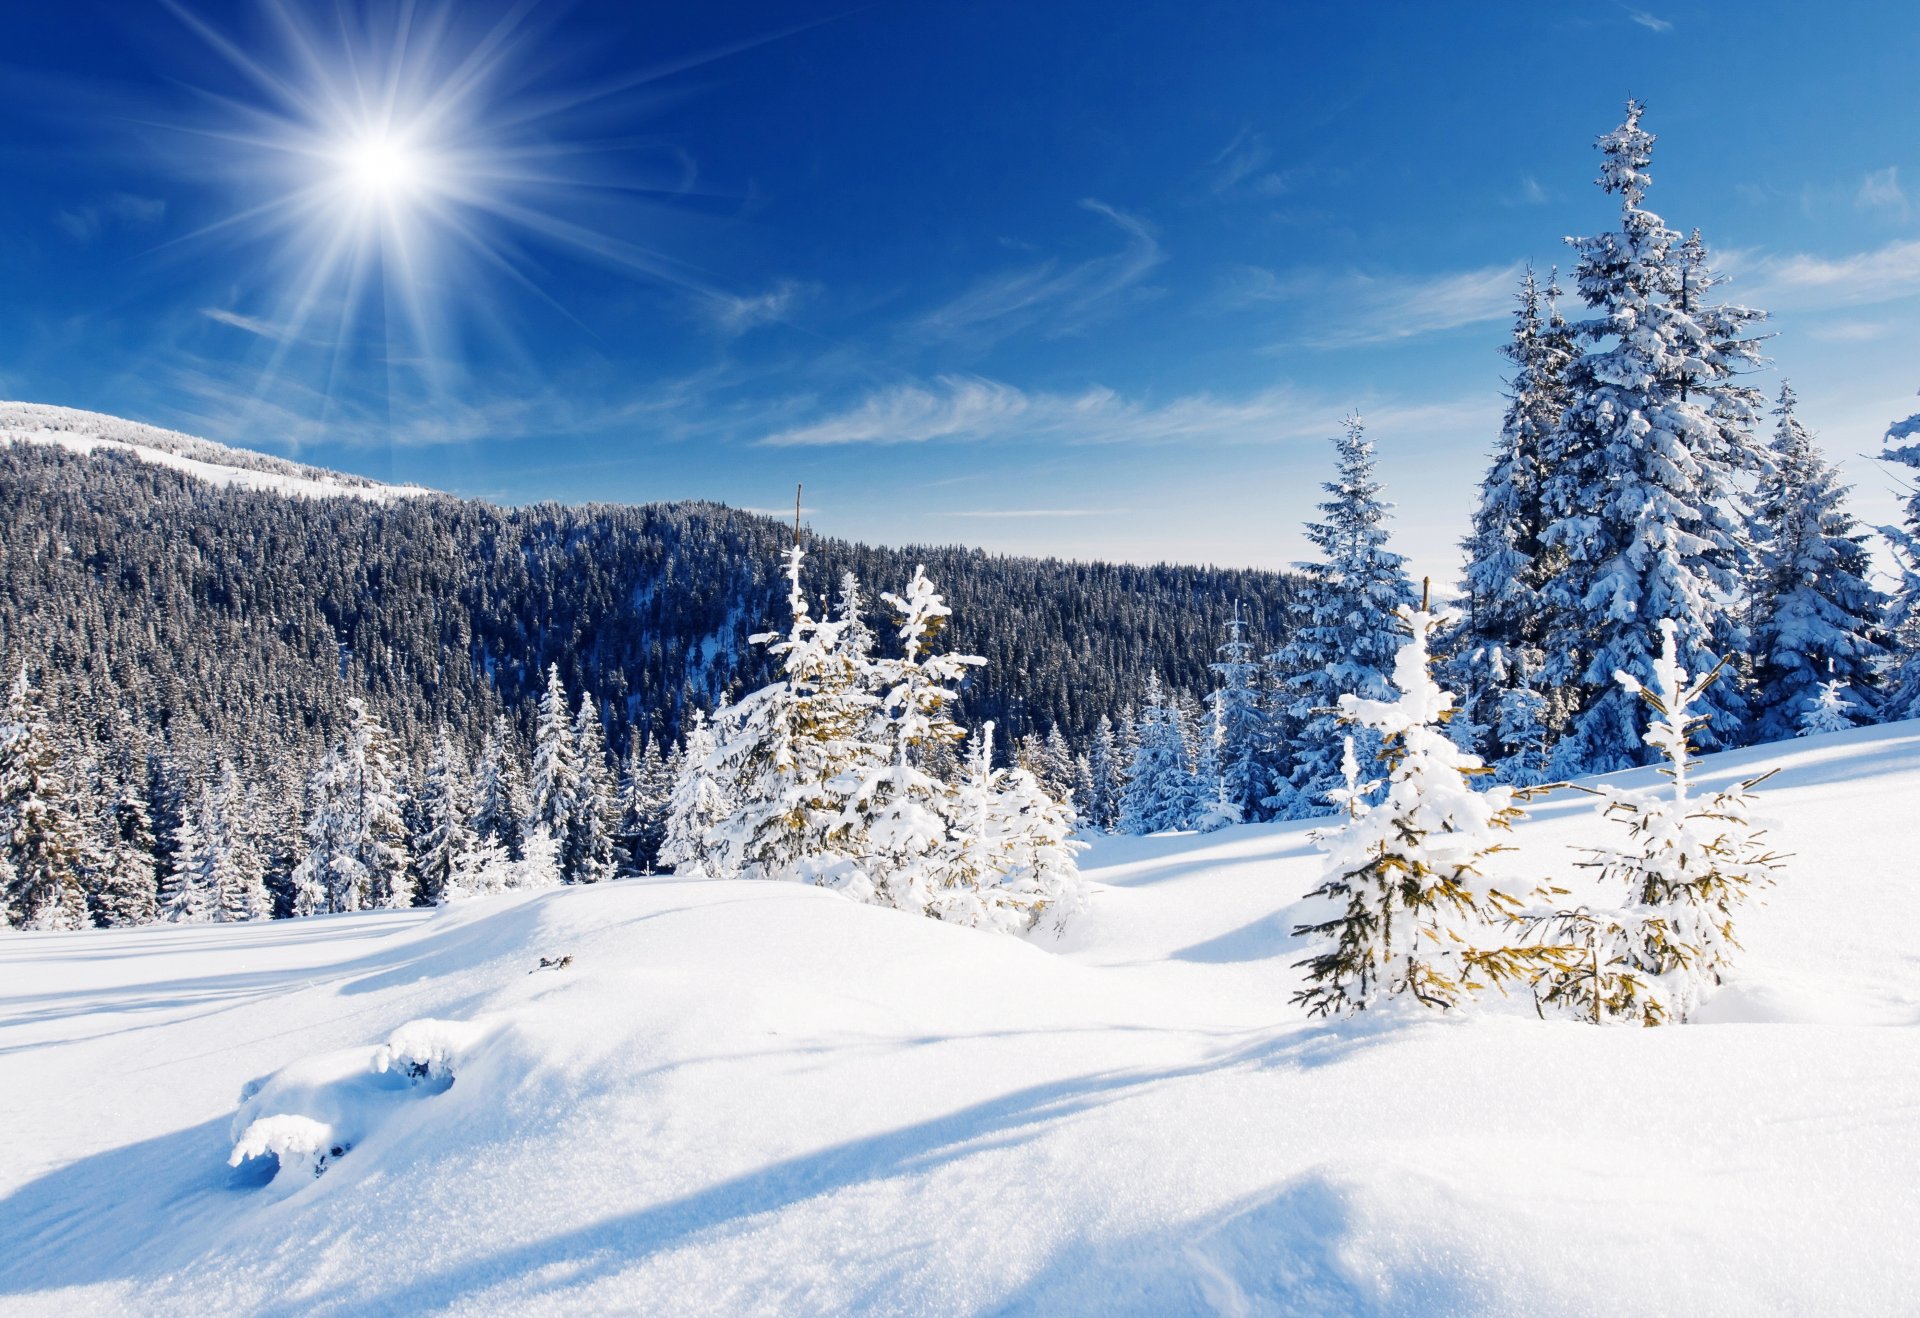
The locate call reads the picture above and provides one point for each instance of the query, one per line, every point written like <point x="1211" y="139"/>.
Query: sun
<point x="379" y="167"/>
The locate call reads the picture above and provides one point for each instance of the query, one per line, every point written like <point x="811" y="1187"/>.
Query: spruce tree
<point x="586" y="847"/>
<point x="1107" y="778"/>
<point x="1816" y="616"/>
<point x="500" y="804"/>
<point x="556" y="762"/>
<point x="1160" y="793"/>
<point x="1346" y="641"/>
<point x="1830" y="711"/>
<point x="1237" y="728"/>
<point x="1406" y="873"/>
<point x="237" y="871"/>
<point x="1498" y="644"/>
<point x="1639" y="494"/>
<point x="1902" y="665"/>
<point x="129" y="886"/>
<point x="697" y="806"/>
<point x="41" y="838"/>
<point x="444" y="846"/>
<point x="357" y="855"/>
<point x="646" y="792"/>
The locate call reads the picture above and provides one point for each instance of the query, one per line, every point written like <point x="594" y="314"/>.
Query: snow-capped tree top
<point x="1672" y="696"/>
<point x="1629" y="150"/>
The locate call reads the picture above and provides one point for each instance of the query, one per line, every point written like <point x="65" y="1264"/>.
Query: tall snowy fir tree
<point x="1346" y="637"/>
<point x="357" y="837"/>
<point x="42" y="841"/>
<point x="698" y="804"/>
<point x="1498" y="650"/>
<point x="1816" y="616"/>
<point x="445" y="843"/>
<point x="237" y="868"/>
<point x="586" y="845"/>
<point x="556" y="762"/>
<point x="501" y="807"/>
<point x="1237" y="728"/>
<point x="1160" y="793"/>
<point x="127" y="892"/>
<point x="1106" y="779"/>
<point x="1902" y="698"/>
<point x="646" y="793"/>
<point x="1640" y="514"/>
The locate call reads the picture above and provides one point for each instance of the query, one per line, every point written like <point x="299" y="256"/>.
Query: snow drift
<point x="743" y="1097"/>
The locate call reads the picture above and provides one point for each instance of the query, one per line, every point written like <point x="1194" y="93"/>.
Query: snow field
<point x="759" y="1098"/>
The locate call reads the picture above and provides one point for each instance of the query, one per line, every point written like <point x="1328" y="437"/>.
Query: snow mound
<point x="762" y="1098"/>
<point x="216" y="464"/>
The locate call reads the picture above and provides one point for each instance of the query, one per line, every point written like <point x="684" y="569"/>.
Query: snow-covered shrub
<point x="1686" y="866"/>
<point x="1830" y="711"/>
<point x="300" y="1145"/>
<point x="1406" y="872"/>
<point x="426" y="1051"/>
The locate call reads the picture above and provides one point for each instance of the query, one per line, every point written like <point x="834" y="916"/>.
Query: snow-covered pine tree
<point x="1346" y="641"/>
<point x="586" y="848"/>
<point x="790" y="755"/>
<point x="556" y="763"/>
<point x="238" y="871"/>
<point x="1640" y="516"/>
<point x="1830" y="711"/>
<point x="1902" y="682"/>
<point x="187" y="895"/>
<point x="1237" y="727"/>
<point x="128" y="889"/>
<point x="849" y="610"/>
<point x="1686" y="868"/>
<point x="896" y="819"/>
<point x="646" y="792"/>
<point x="356" y="834"/>
<point x="1160" y="793"/>
<point x="697" y="806"/>
<point x="1816" y="616"/>
<point x="443" y="848"/>
<point x="41" y="839"/>
<point x="1107" y="779"/>
<point x="501" y="807"/>
<point x="1497" y="644"/>
<point x="539" y="863"/>
<point x="1406" y="872"/>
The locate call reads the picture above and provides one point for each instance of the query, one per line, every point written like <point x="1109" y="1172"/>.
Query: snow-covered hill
<point x="217" y="464"/>
<point x="745" y="1098"/>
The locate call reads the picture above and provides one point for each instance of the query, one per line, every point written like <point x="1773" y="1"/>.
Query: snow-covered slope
<point x="217" y="464"/>
<point x="747" y="1098"/>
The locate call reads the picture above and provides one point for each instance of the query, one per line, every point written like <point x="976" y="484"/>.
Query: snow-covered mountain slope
<point x="217" y="464"/>
<point x="745" y="1098"/>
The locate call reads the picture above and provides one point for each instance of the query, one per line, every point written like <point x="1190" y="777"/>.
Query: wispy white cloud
<point x="969" y="408"/>
<point x="250" y="324"/>
<point x="1848" y="331"/>
<point x="1531" y="192"/>
<point x="1240" y="167"/>
<point x="1057" y="299"/>
<point x="1356" y="309"/>
<point x="85" y="224"/>
<point x="1038" y="512"/>
<point x="1880" y="190"/>
<point x="1649" y="21"/>
<point x="1801" y="282"/>
<point x="736" y="314"/>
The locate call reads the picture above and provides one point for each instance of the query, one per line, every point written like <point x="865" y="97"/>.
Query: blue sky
<point x="1073" y="278"/>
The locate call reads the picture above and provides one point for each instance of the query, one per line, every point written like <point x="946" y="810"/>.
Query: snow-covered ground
<point x="746" y="1098"/>
<point x="216" y="464"/>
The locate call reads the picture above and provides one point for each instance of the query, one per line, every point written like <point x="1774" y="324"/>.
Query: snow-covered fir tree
<point x="1687" y="866"/>
<point x="586" y="847"/>
<point x="1237" y="730"/>
<point x="127" y="889"/>
<point x="187" y="894"/>
<point x="1160" y="792"/>
<point x="444" y="846"/>
<point x="1497" y="649"/>
<point x="1816" y="615"/>
<point x="556" y="763"/>
<point x="790" y="755"/>
<point x="1106" y="779"/>
<point x="698" y="805"/>
<point x="41" y="838"/>
<point x="896" y="819"/>
<point x="355" y="831"/>
<point x="646" y="793"/>
<point x="237" y="870"/>
<point x="1830" y="711"/>
<point x="1406" y="873"/>
<point x="501" y="806"/>
<point x="1902" y="682"/>
<point x="1640" y="515"/>
<point x="1346" y="638"/>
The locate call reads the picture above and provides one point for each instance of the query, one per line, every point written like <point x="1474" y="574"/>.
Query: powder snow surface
<point x="747" y="1098"/>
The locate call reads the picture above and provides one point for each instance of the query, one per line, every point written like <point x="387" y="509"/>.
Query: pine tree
<point x="1237" y="729"/>
<point x="1639" y="494"/>
<point x="42" y="840"/>
<point x="1816" y="615"/>
<point x="698" y="805"/>
<point x="1406" y="873"/>
<point x="1107" y="778"/>
<point x="501" y="807"/>
<point x="1160" y="791"/>
<point x="128" y="889"/>
<point x="646" y="794"/>
<point x="1346" y="642"/>
<point x="237" y="871"/>
<point x="188" y="896"/>
<point x="1902" y="666"/>
<point x="556" y="763"/>
<point x="356" y="835"/>
<point x="1830" y="711"/>
<point x="1499" y="641"/>
<point x="444" y="846"/>
<point x="1685" y="869"/>
<point x="586" y="847"/>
